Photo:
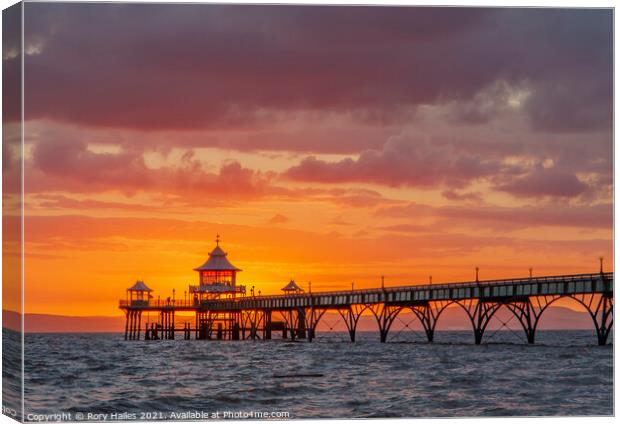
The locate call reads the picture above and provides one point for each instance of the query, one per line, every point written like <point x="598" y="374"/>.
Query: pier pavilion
<point x="223" y="311"/>
<point x="217" y="279"/>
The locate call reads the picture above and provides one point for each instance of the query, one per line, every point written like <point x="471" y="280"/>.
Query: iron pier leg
<point x="301" y="323"/>
<point x="292" y="330"/>
<point x="132" y="333"/>
<point x="235" y="331"/>
<point x="130" y="329"/>
<point x="603" y="318"/>
<point x="311" y="318"/>
<point x="126" y="323"/>
<point x="267" y="325"/>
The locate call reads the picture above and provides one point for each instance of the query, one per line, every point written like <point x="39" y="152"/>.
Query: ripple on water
<point x="101" y="373"/>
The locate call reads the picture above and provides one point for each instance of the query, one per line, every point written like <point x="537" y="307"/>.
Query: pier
<point x="223" y="310"/>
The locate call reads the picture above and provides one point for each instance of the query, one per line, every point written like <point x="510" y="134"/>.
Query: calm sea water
<point x="563" y="374"/>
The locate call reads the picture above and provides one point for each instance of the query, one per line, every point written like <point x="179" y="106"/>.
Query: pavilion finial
<point x="601" y="262"/>
<point x="217" y="239"/>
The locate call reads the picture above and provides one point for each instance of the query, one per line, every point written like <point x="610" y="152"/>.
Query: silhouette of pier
<point x="223" y="310"/>
<point x="251" y="316"/>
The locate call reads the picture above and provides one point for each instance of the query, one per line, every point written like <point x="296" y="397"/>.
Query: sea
<point x="102" y="377"/>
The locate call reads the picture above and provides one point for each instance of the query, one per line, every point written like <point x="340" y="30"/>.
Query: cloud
<point x="59" y="202"/>
<point x="408" y="228"/>
<point x="152" y="66"/>
<point x="545" y="182"/>
<point x="402" y="162"/>
<point x="69" y="165"/>
<point x="559" y="105"/>
<point x="278" y="219"/>
<point x="491" y="101"/>
<point x="471" y="197"/>
<point x="72" y="166"/>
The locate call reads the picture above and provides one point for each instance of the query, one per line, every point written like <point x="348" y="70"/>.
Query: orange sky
<point x="340" y="167"/>
<point x="80" y="259"/>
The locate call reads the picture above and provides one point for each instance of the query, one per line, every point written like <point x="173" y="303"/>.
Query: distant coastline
<point x="556" y="318"/>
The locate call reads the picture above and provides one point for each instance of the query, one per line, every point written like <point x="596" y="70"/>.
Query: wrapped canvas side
<point x="12" y="217"/>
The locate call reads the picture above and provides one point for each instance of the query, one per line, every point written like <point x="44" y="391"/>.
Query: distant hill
<point x="43" y="323"/>
<point x="555" y="318"/>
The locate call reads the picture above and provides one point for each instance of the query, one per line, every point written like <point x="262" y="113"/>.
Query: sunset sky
<point x="324" y="144"/>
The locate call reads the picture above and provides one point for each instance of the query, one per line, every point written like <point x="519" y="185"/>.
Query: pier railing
<point x="177" y="303"/>
<point x="193" y="304"/>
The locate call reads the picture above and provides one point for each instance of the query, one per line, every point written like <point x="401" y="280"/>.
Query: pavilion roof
<point x="140" y="287"/>
<point x="217" y="262"/>
<point x="292" y="286"/>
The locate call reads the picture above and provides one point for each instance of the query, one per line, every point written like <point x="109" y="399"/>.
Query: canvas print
<point x="229" y="211"/>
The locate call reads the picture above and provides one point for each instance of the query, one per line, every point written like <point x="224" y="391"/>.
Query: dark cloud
<point x="571" y="104"/>
<point x="220" y="66"/>
<point x="545" y="182"/>
<point x="11" y="63"/>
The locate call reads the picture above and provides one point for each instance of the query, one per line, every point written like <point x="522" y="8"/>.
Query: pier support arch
<point x="528" y="311"/>
<point x="600" y="307"/>
<point x="385" y="316"/>
<point x="480" y="313"/>
<point x="351" y="317"/>
<point x="312" y="317"/>
<point x="295" y="321"/>
<point x="428" y="314"/>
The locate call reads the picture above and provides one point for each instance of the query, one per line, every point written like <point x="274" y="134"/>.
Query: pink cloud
<point x="454" y="195"/>
<point x="70" y="166"/>
<point x="402" y="162"/>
